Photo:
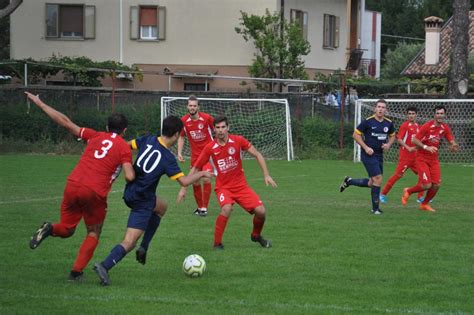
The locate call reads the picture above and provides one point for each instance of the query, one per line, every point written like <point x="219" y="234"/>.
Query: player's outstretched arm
<point x="180" y="149"/>
<point x="454" y="147"/>
<point x="420" y="144"/>
<point x="263" y="165"/>
<point x="56" y="116"/>
<point x="128" y="172"/>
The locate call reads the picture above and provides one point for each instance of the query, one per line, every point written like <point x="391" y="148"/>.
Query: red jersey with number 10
<point x="227" y="160"/>
<point x="199" y="133"/>
<point x="101" y="161"/>
<point x="407" y="131"/>
<point x="431" y="135"/>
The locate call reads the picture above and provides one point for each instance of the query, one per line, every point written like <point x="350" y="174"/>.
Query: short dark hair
<point x="381" y="101"/>
<point x="438" y="107"/>
<point x="412" y="109"/>
<point x="220" y="119"/>
<point x="117" y="123"/>
<point x="192" y="97"/>
<point x="171" y="125"/>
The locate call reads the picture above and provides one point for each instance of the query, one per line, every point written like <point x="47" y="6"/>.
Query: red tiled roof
<point x="417" y="66"/>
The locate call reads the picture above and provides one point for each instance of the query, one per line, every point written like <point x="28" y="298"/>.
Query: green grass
<point x="329" y="256"/>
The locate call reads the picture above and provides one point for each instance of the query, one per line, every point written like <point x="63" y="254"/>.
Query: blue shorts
<point x="140" y="214"/>
<point x="373" y="163"/>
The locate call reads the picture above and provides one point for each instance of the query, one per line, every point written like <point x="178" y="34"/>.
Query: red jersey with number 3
<point x="101" y="161"/>
<point x="431" y="135"/>
<point x="199" y="133"/>
<point x="227" y="160"/>
<point x="407" y="131"/>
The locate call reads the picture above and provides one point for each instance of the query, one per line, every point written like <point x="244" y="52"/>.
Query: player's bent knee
<point x="426" y="186"/>
<point x="260" y="211"/>
<point x="226" y="210"/>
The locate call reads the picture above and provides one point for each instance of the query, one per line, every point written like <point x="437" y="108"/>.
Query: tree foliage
<point x="397" y="59"/>
<point x="275" y="49"/>
<point x="80" y="71"/>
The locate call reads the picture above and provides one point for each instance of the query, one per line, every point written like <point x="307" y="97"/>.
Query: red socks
<point x="221" y="223"/>
<point x="415" y="189"/>
<point x="86" y="251"/>
<point x="197" y="189"/>
<point x="61" y="230"/>
<point x="206" y="194"/>
<point x="257" y="226"/>
<point x="429" y="195"/>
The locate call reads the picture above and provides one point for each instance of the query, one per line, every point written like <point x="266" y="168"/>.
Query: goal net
<point x="264" y="122"/>
<point x="459" y="117"/>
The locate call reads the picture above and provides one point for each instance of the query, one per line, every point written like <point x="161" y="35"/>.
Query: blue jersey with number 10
<point x="154" y="160"/>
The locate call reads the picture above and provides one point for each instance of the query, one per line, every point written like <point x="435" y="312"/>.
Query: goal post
<point x="265" y="123"/>
<point x="459" y="117"/>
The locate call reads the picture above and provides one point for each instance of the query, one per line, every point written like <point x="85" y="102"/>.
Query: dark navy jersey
<point x="376" y="133"/>
<point x="153" y="160"/>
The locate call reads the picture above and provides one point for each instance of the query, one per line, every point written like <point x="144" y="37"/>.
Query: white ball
<point x="194" y="266"/>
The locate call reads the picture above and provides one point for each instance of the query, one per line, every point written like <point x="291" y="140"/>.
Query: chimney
<point x="432" y="39"/>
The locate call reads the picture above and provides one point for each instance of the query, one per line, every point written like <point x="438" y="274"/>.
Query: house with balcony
<point x="173" y="39"/>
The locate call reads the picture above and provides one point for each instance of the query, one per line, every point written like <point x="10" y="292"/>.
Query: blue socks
<point x="116" y="255"/>
<point x="362" y="182"/>
<point x="150" y="231"/>
<point x="375" y="193"/>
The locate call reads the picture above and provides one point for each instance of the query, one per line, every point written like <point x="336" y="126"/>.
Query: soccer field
<point x="329" y="255"/>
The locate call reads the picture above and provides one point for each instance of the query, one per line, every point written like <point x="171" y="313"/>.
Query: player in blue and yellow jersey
<point x="154" y="159"/>
<point x="375" y="135"/>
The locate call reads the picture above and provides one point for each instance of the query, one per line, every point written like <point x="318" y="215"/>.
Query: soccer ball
<point x="194" y="266"/>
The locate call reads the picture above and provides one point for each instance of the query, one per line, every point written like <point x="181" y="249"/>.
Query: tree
<point x="275" y="50"/>
<point x="458" y="72"/>
<point x="397" y="59"/>
<point x="11" y="6"/>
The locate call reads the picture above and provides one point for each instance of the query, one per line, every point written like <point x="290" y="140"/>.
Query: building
<point x="434" y="58"/>
<point x="179" y="38"/>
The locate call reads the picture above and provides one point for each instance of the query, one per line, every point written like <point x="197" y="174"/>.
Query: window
<point x="300" y="18"/>
<point x="331" y="31"/>
<point x="147" y="22"/>
<point x="70" y="21"/>
<point x="196" y="87"/>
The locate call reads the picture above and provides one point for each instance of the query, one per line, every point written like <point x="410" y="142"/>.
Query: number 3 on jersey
<point x="104" y="150"/>
<point x="147" y="168"/>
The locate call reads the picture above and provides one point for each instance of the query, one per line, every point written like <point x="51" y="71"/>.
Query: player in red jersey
<point x="231" y="184"/>
<point x="198" y="128"/>
<point x="87" y="187"/>
<point x="407" y="157"/>
<point x="428" y="140"/>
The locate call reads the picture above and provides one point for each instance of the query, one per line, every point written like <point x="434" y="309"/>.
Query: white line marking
<point x="238" y="303"/>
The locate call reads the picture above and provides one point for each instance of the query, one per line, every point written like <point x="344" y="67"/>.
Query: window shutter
<point x="305" y="25"/>
<point x="52" y="13"/>
<point x="336" y="32"/>
<point x="326" y="31"/>
<point x="89" y="21"/>
<point x="161" y="23"/>
<point x="134" y="22"/>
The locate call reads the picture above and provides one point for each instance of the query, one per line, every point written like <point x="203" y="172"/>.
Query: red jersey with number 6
<point x="406" y="133"/>
<point x="199" y="133"/>
<point x="101" y="161"/>
<point x="431" y="135"/>
<point x="227" y="160"/>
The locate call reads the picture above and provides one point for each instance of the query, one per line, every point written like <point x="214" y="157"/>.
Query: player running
<point x="198" y="128"/>
<point x="154" y="159"/>
<point x="87" y="187"/>
<point x="231" y="185"/>
<point x="428" y="140"/>
<point x="407" y="156"/>
<point x="379" y="135"/>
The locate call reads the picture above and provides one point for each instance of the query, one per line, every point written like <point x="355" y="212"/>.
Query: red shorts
<point x="244" y="196"/>
<point x="429" y="171"/>
<point x="82" y="202"/>
<point x="404" y="165"/>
